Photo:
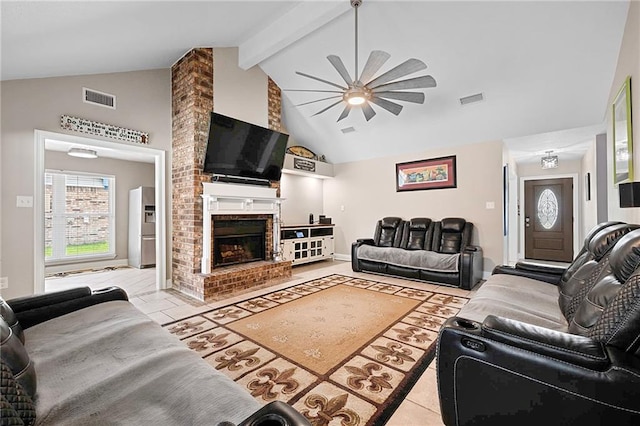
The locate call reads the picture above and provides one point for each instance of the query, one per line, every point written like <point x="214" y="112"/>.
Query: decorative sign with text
<point x="306" y="165"/>
<point x="104" y="130"/>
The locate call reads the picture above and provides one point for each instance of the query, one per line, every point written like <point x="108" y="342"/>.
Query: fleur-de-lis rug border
<point x="341" y="350"/>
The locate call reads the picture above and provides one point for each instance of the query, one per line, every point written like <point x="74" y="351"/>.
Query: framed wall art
<point x="622" y="131"/>
<point x="434" y="173"/>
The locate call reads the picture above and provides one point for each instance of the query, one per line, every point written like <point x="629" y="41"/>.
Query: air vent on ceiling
<point x="348" y="130"/>
<point x="94" y="97"/>
<point x="471" y="99"/>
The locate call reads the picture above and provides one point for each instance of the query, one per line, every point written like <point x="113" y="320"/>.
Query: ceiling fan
<point x="364" y="89"/>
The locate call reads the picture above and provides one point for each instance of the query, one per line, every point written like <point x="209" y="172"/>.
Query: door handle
<point x="527" y="221"/>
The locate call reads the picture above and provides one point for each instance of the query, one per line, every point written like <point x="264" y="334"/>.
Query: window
<point x="79" y="216"/>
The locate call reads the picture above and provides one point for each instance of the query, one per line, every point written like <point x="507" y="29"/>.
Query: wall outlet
<point x="24" y="201"/>
<point x="4" y="282"/>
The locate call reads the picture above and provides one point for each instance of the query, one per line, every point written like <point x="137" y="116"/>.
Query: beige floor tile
<point x="155" y="306"/>
<point x="412" y="414"/>
<point x="425" y="391"/>
<point x="160" y="318"/>
<point x="183" y="311"/>
<point x="453" y="291"/>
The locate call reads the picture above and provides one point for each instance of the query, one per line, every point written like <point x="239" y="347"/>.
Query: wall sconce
<point x="549" y="161"/>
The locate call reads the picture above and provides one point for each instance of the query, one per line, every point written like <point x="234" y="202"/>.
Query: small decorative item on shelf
<point x="301" y="151"/>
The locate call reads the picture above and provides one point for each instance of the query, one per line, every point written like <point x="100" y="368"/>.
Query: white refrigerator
<point x="142" y="227"/>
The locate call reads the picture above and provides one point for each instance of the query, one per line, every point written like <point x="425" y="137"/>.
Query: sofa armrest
<point x="506" y="372"/>
<point x="532" y="272"/>
<point x="32" y="310"/>
<point x="578" y="350"/>
<point x="545" y="269"/>
<point x="471" y="263"/>
<point x="367" y="241"/>
<point x="276" y="413"/>
<point x="355" y="263"/>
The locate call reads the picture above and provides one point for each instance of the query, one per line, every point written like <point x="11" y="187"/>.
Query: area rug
<point x="341" y="350"/>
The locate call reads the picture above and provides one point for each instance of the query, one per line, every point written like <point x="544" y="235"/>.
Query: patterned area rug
<point x="341" y="350"/>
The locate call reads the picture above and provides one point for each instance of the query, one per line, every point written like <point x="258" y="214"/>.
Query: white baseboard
<point x="98" y="264"/>
<point x="343" y="257"/>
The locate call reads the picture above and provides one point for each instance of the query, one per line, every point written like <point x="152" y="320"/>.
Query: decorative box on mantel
<point x="237" y="199"/>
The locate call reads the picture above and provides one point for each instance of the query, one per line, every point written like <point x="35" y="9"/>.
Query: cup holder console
<point x="466" y="324"/>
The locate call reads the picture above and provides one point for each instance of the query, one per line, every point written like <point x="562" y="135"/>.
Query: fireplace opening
<point x="238" y="241"/>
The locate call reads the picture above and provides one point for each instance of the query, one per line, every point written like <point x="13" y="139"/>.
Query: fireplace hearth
<point x="238" y="241"/>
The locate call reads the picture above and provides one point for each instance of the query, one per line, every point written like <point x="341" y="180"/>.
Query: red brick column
<point x="192" y="103"/>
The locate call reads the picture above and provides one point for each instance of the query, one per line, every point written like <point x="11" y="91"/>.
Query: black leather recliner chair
<point x="501" y="371"/>
<point x="450" y="236"/>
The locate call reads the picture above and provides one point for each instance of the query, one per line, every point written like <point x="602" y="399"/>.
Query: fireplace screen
<point x="238" y="241"/>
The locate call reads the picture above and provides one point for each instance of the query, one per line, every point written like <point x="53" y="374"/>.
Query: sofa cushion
<point x="416" y="237"/>
<point x="389" y="232"/>
<point x="517" y="298"/>
<point x="416" y="259"/>
<point x="111" y="364"/>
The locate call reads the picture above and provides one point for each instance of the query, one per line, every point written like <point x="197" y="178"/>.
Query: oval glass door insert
<point x="547" y="209"/>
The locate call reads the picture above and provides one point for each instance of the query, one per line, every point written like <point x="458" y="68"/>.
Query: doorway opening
<point x="50" y="141"/>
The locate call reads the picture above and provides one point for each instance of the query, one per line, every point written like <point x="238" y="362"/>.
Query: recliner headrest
<point x="599" y="227"/>
<point x="625" y="256"/>
<point x="419" y="224"/>
<point x="605" y="239"/>
<point x="452" y="224"/>
<point x="390" y="222"/>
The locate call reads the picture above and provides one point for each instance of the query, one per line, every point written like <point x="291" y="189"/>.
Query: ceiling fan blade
<point x="345" y="112"/>
<point x="327" y="108"/>
<point x="368" y="111"/>
<point x="377" y="58"/>
<point x="411" y="83"/>
<point x="407" y="67"/>
<point x="415" y="97"/>
<point x="318" y="100"/>
<point x="339" y="66"/>
<point x="320" y="79"/>
<point x="392" y="107"/>
<point x="309" y="90"/>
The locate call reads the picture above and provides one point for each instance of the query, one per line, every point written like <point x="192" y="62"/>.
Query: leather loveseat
<point x="78" y="357"/>
<point x="421" y="249"/>
<point x="525" y="351"/>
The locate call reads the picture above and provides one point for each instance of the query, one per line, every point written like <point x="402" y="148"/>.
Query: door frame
<point x="159" y="157"/>
<point x="576" y="209"/>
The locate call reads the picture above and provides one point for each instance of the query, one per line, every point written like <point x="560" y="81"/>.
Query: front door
<point x="548" y="222"/>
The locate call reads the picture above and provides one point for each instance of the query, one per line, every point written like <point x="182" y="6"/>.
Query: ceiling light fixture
<point x="82" y="153"/>
<point x="363" y="89"/>
<point x="549" y="161"/>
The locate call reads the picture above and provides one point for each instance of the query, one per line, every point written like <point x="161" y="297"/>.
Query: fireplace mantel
<point x="234" y="199"/>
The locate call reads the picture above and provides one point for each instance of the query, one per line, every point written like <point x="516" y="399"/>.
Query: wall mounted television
<point x="239" y="149"/>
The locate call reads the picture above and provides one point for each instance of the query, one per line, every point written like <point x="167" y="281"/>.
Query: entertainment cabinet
<point x="307" y="243"/>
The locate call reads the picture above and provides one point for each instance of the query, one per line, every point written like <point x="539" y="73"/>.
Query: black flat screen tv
<point x="239" y="149"/>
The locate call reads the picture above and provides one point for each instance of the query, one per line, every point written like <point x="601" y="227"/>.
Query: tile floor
<point x="420" y="407"/>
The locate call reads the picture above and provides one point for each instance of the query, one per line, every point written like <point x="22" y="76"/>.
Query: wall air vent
<point x="94" y="97"/>
<point x="348" y="130"/>
<point x="471" y="99"/>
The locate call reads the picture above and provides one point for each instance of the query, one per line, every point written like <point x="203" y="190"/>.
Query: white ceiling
<point x="543" y="67"/>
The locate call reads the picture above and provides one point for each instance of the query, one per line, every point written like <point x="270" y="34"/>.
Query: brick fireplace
<point x="194" y="209"/>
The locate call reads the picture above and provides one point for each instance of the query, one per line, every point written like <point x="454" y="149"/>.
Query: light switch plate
<point x="490" y="205"/>
<point x="24" y="201"/>
<point x="4" y="282"/>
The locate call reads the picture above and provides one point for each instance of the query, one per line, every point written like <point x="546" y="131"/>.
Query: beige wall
<point x="589" y="216"/>
<point x="628" y="65"/>
<point x="367" y="191"/>
<point x="303" y="195"/>
<point x="143" y="103"/>
<point x="238" y="93"/>
<point x="128" y="175"/>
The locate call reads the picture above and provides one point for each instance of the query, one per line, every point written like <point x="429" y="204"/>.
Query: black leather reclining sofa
<point x="560" y="350"/>
<point x="421" y="249"/>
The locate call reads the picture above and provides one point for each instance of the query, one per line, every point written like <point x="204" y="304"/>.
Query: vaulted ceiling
<point x="544" y="68"/>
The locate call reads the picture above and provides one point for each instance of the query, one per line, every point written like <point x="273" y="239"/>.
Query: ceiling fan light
<point x="82" y="153"/>
<point x="356" y="100"/>
<point x="356" y="96"/>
